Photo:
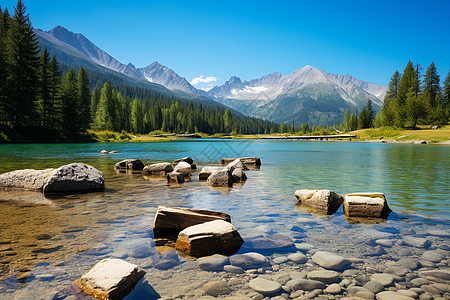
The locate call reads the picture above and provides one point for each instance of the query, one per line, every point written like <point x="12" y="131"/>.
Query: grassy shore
<point x="405" y="135"/>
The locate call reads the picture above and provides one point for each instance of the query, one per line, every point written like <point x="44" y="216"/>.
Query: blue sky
<point x="218" y="39"/>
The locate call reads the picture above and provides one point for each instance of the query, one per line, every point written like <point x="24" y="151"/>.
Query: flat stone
<point x="110" y="279"/>
<point x="443" y="274"/>
<point x="324" y="276"/>
<point x="160" y="169"/>
<point x="264" y="286"/>
<point x="388" y="295"/>
<point x="416" y="242"/>
<point x="325" y="201"/>
<point x="206" y="171"/>
<point x="408" y="293"/>
<point x="374" y="286"/>
<point x="365" y="295"/>
<point x="383" y="278"/>
<point x="305" y="284"/>
<point x="432" y="256"/>
<point x="280" y="260"/>
<point x="372" y="205"/>
<point x="397" y="270"/>
<point x="212" y="263"/>
<point x="298" y="258"/>
<point x="45" y="277"/>
<point x="330" y="260"/>
<point x="410" y="263"/>
<point x="233" y="269"/>
<point x="175" y="177"/>
<point x="355" y="289"/>
<point x="438" y="232"/>
<point x="385" y="242"/>
<point x="430" y="289"/>
<point x="216" y="288"/>
<point x="129" y="164"/>
<point x="419" y="282"/>
<point x="281" y="278"/>
<point x="333" y="289"/>
<point x="248" y="260"/>
<point x="304" y="247"/>
<point x="269" y="242"/>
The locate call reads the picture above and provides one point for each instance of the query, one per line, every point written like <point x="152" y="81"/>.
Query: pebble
<point x="216" y="288"/>
<point x="410" y="263"/>
<point x="305" y="284"/>
<point x="365" y="295"/>
<point x="324" y="276"/>
<point x="383" y="278"/>
<point x="330" y="260"/>
<point x="298" y="258"/>
<point x="432" y="256"/>
<point x="388" y="295"/>
<point x="212" y="263"/>
<point x="264" y="286"/>
<point x="233" y="269"/>
<point x="248" y="260"/>
<point x="333" y="289"/>
<point x="281" y="278"/>
<point x="408" y="293"/>
<point x="430" y="289"/>
<point x="418" y="282"/>
<point x="385" y="242"/>
<point x="374" y="286"/>
<point x="416" y="242"/>
<point x="45" y="277"/>
<point x="438" y="232"/>
<point x="304" y="247"/>
<point x="280" y="259"/>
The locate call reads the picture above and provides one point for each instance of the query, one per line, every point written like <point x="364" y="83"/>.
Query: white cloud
<point x="203" y="79"/>
<point x="208" y="87"/>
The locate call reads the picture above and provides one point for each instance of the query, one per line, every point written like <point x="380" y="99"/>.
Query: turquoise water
<point x="67" y="235"/>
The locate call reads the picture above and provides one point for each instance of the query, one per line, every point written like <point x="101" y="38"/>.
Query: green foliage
<point x="227" y="120"/>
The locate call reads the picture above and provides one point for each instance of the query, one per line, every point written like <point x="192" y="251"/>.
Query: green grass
<point x="404" y="135"/>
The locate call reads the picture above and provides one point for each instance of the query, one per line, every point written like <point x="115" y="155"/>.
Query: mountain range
<point x="307" y="95"/>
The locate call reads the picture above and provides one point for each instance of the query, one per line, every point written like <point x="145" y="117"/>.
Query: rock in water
<point x="373" y="205"/>
<point x="220" y="177"/>
<point x="208" y="238"/>
<point x="212" y="263"/>
<point x="75" y="178"/>
<point x="110" y="279"/>
<point x="175" y="177"/>
<point x="252" y="161"/>
<point x="28" y="179"/>
<point x="160" y="169"/>
<point x="206" y="171"/>
<point x="238" y="176"/>
<point x="248" y="260"/>
<point x="264" y="286"/>
<point x="324" y="276"/>
<point x="323" y="200"/>
<point x="186" y="159"/>
<point x="183" y="168"/>
<point x="129" y="165"/>
<point x="236" y="164"/>
<point x="330" y="260"/>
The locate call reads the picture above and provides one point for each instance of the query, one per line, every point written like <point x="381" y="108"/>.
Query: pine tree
<point x="137" y="117"/>
<point x="408" y="82"/>
<point x="44" y="88"/>
<point x="95" y="99"/>
<point x="23" y="61"/>
<point x="431" y="86"/>
<point x="347" y="119"/>
<point x="353" y="122"/>
<point x="55" y="105"/>
<point x="4" y="22"/>
<point x="227" y="120"/>
<point x="446" y="92"/>
<point x="106" y="108"/>
<point x="416" y="108"/>
<point x="392" y="91"/>
<point x="84" y="95"/>
<point x="70" y="112"/>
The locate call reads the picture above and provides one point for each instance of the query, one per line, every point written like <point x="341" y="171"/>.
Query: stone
<point x="419" y="282"/>
<point x="71" y="178"/>
<point x="324" y="276"/>
<point x="355" y="289"/>
<point x="408" y="293"/>
<point x="280" y="260"/>
<point x="305" y="284"/>
<point x="416" y="242"/>
<point x="436" y="275"/>
<point x="212" y="263"/>
<point x="365" y="295"/>
<point x="248" y="260"/>
<point x="214" y="237"/>
<point x="397" y="270"/>
<point x="430" y="289"/>
<point x="304" y="247"/>
<point x="374" y="286"/>
<point x="236" y="164"/>
<point x="388" y="295"/>
<point x="233" y="269"/>
<point x="373" y="205"/>
<point x="129" y="165"/>
<point x="385" y="242"/>
<point x="383" y="278"/>
<point x="298" y="258"/>
<point x="324" y="200"/>
<point x="439" y="232"/>
<point x="160" y="169"/>
<point x="264" y="286"/>
<point x="248" y="161"/>
<point x="186" y="159"/>
<point x="175" y="177"/>
<point x="333" y="289"/>
<point x="220" y="177"/>
<point x="104" y="152"/>
<point x="183" y="168"/>
<point x="110" y="279"/>
<point x="114" y="151"/>
<point x="206" y="171"/>
<point x="330" y="260"/>
<point x="432" y="256"/>
<point x="238" y="176"/>
<point x="171" y="220"/>
<point x="410" y="263"/>
<point x="75" y="178"/>
<point x="216" y="288"/>
<point x="281" y="278"/>
<point x="269" y="242"/>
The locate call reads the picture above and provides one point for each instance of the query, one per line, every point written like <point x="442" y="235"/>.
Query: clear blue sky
<point x="366" y="39"/>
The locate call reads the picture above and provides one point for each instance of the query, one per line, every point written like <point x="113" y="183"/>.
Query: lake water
<point x="47" y="243"/>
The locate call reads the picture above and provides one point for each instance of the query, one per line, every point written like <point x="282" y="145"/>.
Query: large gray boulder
<point x="160" y="169"/>
<point x="372" y="205"/>
<point x="206" y="171"/>
<point x="71" y="178"/>
<point x="221" y="177"/>
<point x="183" y="168"/>
<point x="326" y="201"/>
<point x="238" y="175"/>
<point x="129" y="165"/>
<point x="110" y="279"/>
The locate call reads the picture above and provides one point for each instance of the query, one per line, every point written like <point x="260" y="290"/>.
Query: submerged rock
<point x="323" y="200"/>
<point x="129" y="165"/>
<point x="264" y="286"/>
<point x="221" y="177"/>
<point x="186" y="159"/>
<point x="183" y="168"/>
<point x="252" y="161"/>
<point x="110" y="279"/>
<point x="238" y="176"/>
<point x="248" y="260"/>
<point x="236" y="164"/>
<point x="175" y="177"/>
<point x="206" y="171"/>
<point x="330" y="260"/>
<point x="372" y="205"/>
<point x="158" y="169"/>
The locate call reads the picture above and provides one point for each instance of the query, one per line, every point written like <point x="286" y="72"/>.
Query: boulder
<point x="186" y="159"/>
<point x="110" y="279"/>
<point x="71" y="178"/>
<point x="206" y="171"/>
<point x="238" y="176"/>
<point x="236" y="164"/>
<point x="324" y="200"/>
<point x="75" y="178"/>
<point x="330" y="260"/>
<point x="183" y="168"/>
<point x="221" y="177"/>
<point x="160" y="169"/>
<point x="373" y="205"/>
<point x="214" y="237"/>
<point x="175" y="177"/>
<point x="129" y="165"/>
<point x="248" y="161"/>
<point x="114" y="151"/>
<point x="171" y="220"/>
<point x="104" y="152"/>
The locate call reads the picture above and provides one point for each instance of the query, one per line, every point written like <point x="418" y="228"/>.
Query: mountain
<point x="307" y="95"/>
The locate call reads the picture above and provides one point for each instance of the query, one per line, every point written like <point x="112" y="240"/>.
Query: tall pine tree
<point x="84" y="95"/>
<point x="70" y="116"/>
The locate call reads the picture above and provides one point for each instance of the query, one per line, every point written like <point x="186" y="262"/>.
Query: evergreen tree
<point x="353" y="122"/>
<point x="416" y="108"/>
<point x="431" y="85"/>
<point x="95" y="99"/>
<point x="137" y="117"/>
<point x="23" y="61"/>
<point x="55" y="105"/>
<point x="227" y="120"/>
<point x="70" y="117"/>
<point x="392" y="91"/>
<point x="408" y="82"/>
<point x="84" y="95"/>
<point x="4" y="24"/>
<point x="347" y="119"/>
<point x="446" y="92"/>
<point x="44" y="88"/>
<point x="106" y="108"/>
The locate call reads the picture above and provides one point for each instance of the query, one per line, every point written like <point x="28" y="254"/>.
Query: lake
<point x="47" y="243"/>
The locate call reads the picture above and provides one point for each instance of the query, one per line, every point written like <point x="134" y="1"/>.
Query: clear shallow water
<point x="64" y="237"/>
